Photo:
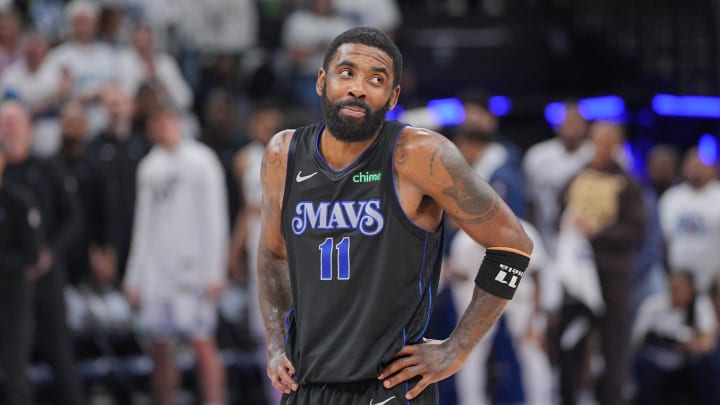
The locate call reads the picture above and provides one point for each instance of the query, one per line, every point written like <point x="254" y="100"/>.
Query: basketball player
<point x="351" y="242"/>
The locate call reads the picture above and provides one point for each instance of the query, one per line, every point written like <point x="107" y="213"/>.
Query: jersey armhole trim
<point x="288" y="184"/>
<point x="402" y="216"/>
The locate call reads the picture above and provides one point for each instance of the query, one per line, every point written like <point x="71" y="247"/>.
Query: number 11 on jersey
<point x="343" y="259"/>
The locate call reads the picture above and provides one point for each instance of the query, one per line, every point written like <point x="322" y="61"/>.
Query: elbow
<point x="526" y="244"/>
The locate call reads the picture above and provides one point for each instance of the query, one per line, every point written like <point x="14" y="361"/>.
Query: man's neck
<point x="340" y="154"/>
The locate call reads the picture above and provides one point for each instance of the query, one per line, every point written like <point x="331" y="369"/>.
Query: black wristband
<point x="501" y="271"/>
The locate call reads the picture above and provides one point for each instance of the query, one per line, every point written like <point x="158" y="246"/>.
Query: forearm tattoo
<point x="482" y="313"/>
<point x="275" y="298"/>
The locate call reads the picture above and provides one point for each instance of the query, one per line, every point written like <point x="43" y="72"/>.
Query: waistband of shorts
<point x="353" y="386"/>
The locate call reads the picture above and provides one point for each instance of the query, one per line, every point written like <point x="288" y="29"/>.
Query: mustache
<point x="355" y="103"/>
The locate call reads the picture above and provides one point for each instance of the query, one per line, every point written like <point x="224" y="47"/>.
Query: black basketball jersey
<point x="363" y="276"/>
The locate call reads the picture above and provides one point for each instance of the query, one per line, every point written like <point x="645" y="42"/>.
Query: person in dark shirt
<point x="20" y="241"/>
<point x="352" y="215"/>
<point x="117" y="151"/>
<point x="610" y="212"/>
<point x="92" y="259"/>
<point x="55" y="193"/>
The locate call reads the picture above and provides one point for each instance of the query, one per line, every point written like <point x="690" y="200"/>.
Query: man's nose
<point x="357" y="88"/>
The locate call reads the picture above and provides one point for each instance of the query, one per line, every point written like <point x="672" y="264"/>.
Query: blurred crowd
<point x="126" y="124"/>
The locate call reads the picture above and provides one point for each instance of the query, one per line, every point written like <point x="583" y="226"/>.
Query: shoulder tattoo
<point x="475" y="198"/>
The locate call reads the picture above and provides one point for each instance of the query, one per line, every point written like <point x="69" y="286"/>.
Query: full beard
<point x="350" y="129"/>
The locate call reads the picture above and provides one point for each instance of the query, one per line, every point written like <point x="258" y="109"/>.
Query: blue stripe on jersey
<point x="287" y="322"/>
<point x="427" y="319"/>
<point x="407" y="388"/>
<point x="404" y="336"/>
<point x="422" y="266"/>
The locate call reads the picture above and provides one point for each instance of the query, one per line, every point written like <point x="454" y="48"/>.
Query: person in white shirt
<point x="307" y="31"/>
<point x="525" y="319"/>
<point x="381" y="14"/>
<point x="690" y="221"/>
<point x="176" y="269"/>
<point x="90" y="63"/>
<point x="676" y="336"/>
<point x="143" y="62"/>
<point x="42" y="87"/>
<point x="548" y="167"/>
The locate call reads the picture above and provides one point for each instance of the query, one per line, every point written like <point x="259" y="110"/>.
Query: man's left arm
<point x="431" y="162"/>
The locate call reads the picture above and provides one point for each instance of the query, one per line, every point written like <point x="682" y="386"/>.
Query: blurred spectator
<point x="42" y="86"/>
<point x="90" y="63"/>
<point x="20" y="243"/>
<point x="525" y="320"/>
<point x="381" y="14"/>
<point x="649" y="276"/>
<point x="690" y="219"/>
<point x="492" y="161"/>
<point x="479" y="115"/>
<point x="609" y="211"/>
<point x="216" y="27"/>
<point x="117" y="152"/>
<point x="549" y="165"/>
<point x="47" y="17"/>
<point x="307" y="32"/>
<point x="150" y="96"/>
<point x="662" y="165"/>
<point x="676" y="335"/>
<point x="176" y="270"/>
<point x="92" y="260"/>
<point x="221" y="132"/>
<point x="142" y="62"/>
<point x="56" y="194"/>
<point x="265" y="120"/>
<point x="10" y="50"/>
<point x="113" y="25"/>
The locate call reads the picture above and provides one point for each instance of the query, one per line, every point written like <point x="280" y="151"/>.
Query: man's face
<point x="117" y="104"/>
<point x="695" y="172"/>
<point x="73" y="124"/>
<point x="572" y="130"/>
<point x="15" y="131"/>
<point x="164" y="129"/>
<point x="357" y="91"/>
<point x="84" y="27"/>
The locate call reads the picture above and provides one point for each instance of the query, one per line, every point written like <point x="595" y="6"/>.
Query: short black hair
<point x="371" y="37"/>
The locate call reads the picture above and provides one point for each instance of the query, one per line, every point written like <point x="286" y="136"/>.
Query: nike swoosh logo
<point x="383" y="402"/>
<point x="300" y="178"/>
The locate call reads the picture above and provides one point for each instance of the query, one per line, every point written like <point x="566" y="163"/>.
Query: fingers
<point x="397" y="365"/>
<point x="418" y="388"/>
<point x="281" y="375"/>
<point x="405" y="374"/>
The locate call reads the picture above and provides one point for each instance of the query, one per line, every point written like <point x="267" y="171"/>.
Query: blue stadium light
<point x="708" y="149"/>
<point x="555" y="113"/>
<point x="499" y="105"/>
<point x="687" y="106"/>
<point x="395" y="114"/>
<point x="602" y="108"/>
<point x="447" y="111"/>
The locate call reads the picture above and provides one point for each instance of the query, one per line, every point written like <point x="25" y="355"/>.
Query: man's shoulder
<point x="279" y="144"/>
<point x="419" y="139"/>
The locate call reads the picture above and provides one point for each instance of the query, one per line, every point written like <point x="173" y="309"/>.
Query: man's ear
<point x="394" y="95"/>
<point x="320" y="82"/>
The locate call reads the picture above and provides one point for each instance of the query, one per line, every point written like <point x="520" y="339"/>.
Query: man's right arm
<point x="273" y="274"/>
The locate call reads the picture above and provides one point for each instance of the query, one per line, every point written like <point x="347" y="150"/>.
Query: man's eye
<point x="345" y="72"/>
<point x="377" y="80"/>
